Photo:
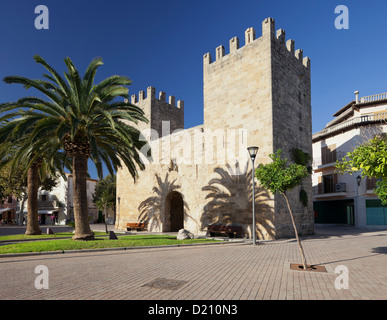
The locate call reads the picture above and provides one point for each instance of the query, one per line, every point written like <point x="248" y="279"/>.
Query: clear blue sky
<point x="161" y="44"/>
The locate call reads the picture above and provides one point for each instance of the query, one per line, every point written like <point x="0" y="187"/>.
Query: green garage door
<point x="376" y="213"/>
<point x="337" y="211"/>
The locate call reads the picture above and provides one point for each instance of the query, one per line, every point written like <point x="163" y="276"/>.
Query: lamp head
<point x="252" y="152"/>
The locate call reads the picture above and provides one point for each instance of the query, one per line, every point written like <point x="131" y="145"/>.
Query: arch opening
<point x="174" y="212"/>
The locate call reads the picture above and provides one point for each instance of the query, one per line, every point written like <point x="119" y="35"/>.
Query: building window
<point x="371" y="183"/>
<point x="329" y="183"/>
<point x="9" y="199"/>
<point x="328" y="154"/>
<point x="44" y="197"/>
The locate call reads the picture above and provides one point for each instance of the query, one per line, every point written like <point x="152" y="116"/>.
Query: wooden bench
<point x="138" y="226"/>
<point x="221" y="229"/>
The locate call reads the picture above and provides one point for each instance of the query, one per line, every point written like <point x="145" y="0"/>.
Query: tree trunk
<point x="32" y="201"/>
<point x="106" y="228"/>
<point x="81" y="213"/>
<point x="295" y="231"/>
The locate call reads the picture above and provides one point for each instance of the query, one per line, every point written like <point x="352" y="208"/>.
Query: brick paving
<point x="233" y="271"/>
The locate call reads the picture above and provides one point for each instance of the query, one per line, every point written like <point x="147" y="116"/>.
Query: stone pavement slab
<point x="233" y="271"/>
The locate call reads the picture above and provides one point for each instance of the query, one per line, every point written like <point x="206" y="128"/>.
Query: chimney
<point x="357" y="96"/>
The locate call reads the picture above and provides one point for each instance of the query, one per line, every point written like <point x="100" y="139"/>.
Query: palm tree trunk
<point x="296" y="232"/>
<point x="81" y="213"/>
<point x="32" y="201"/>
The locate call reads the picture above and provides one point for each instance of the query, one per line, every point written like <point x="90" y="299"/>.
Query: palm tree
<point x="36" y="167"/>
<point x="38" y="172"/>
<point x="83" y="119"/>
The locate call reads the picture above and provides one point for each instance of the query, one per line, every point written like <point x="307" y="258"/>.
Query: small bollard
<point x="112" y="235"/>
<point x="49" y="231"/>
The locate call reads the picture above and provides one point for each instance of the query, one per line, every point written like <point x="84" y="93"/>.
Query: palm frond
<point x="76" y="111"/>
<point x="88" y="78"/>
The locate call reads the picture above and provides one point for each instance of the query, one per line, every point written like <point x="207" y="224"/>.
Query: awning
<point x="6" y="209"/>
<point x="44" y="211"/>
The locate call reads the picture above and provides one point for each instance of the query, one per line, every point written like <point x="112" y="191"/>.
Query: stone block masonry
<point x="256" y="94"/>
<point x="159" y="110"/>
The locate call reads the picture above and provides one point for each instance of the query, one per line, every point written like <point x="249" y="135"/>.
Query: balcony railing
<point x="366" y="118"/>
<point x="320" y="189"/>
<point x="373" y="98"/>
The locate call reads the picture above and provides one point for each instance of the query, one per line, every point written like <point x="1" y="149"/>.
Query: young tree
<point x="278" y="177"/>
<point x="104" y="195"/>
<point x="86" y="121"/>
<point x="13" y="185"/>
<point x="104" y="203"/>
<point x="371" y="159"/>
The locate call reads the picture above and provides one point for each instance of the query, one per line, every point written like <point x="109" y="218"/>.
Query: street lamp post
<point x="358" y="180"/>
<point x="119" y="211"/>
<point x="253" y="153"/>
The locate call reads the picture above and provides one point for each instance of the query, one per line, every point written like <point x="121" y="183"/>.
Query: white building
<point x="341" y="198"/>
<point x="58" y="203"/>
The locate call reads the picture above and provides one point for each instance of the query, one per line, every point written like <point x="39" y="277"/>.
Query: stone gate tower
<point x="256" y="94"/>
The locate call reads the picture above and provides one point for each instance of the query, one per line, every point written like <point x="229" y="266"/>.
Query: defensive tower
<point x="264" y="88"/>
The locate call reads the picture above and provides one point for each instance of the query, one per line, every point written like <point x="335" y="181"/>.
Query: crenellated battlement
<point x="151" y="95"/>
<point x="268" y="33"/>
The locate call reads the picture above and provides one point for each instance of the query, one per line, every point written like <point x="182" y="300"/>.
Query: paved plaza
<point x="231" y="271"/>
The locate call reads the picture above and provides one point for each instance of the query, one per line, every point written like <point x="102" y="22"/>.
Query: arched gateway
<point x="174" y="212"/>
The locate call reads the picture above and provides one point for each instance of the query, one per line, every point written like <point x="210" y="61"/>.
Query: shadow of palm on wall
<point x="229" y="201"/>
<point x="152" y="209"/>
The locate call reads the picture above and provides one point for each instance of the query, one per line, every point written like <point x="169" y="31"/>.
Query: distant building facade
<point x="56" y="206"/>
<point x="348" y="199"/>
<point x="8" y="209"/>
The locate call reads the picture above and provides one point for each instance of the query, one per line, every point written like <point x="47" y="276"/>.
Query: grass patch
<point x="123" y="241"/>
<point x="43" y="236"/>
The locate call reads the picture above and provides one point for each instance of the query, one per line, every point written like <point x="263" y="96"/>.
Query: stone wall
<point x="212" y="193"/>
